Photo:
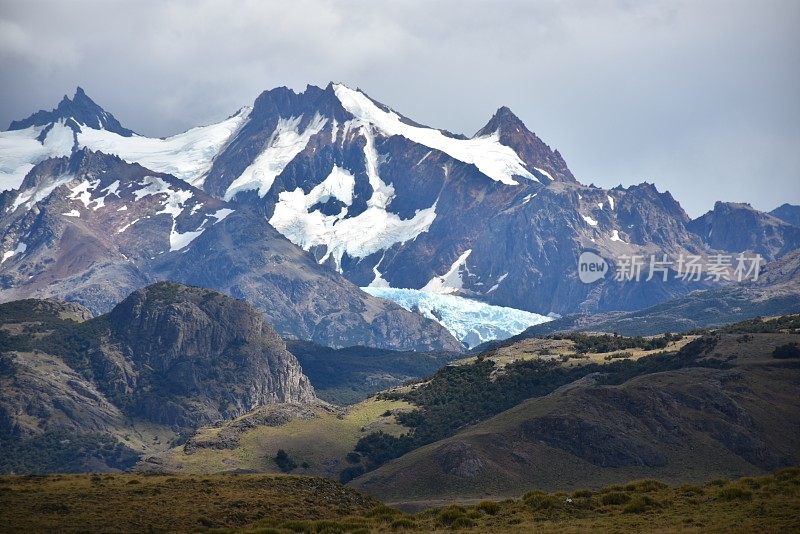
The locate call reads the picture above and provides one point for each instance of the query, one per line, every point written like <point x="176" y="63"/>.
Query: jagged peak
<point x="503" y="121"/>
<point x="75" y="112"/>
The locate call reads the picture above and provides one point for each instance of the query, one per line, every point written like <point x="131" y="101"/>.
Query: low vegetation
<point x="787" y="351"/>
<point x="603" y="343"/>
<point x="54" y="451"/>
<point x="461" y="395"/>
<point x="761" y="325"/>
<point x="286" y="504"/>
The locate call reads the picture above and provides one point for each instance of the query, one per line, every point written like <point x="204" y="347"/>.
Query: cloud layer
<point x="700" y="97"/>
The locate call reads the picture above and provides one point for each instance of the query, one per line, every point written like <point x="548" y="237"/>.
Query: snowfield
<point x="20" y="151"/>
<point x="494" y="159"/>
<point x="187" y="156"/>
<point x="470" y="321"/>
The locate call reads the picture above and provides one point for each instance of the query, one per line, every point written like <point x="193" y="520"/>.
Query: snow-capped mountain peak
<point x="80" y="110"/>
<point x="495" y="160"/>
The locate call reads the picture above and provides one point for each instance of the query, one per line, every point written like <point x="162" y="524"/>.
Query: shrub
<point x="788" y="351"/>
<point x="284" y="462"/>
<point x="732" y="492"/>
<point x="539" y="500"/>
<point x="489" y="507"/>
<point x="645" y="486"/>
<point x="641" y="503"/>
<point x="691" y="490"/>
<point x="615" y="498"/>
<point x="581" y="494"/>
<point x="402" y="524"/>
<point x="448" y="516"/>
<point x="462" y="522"/>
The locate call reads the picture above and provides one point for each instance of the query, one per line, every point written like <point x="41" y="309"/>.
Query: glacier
<point x="472" y="322"/>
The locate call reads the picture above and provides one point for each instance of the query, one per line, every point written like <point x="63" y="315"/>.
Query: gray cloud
<point x="700" y="97"/>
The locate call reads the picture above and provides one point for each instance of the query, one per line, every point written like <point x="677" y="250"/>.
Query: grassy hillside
<point x="462" y="395"/>
<point x="317" y="438"/>
<point x="286" y="504"/>
<point x="730" y="409"/>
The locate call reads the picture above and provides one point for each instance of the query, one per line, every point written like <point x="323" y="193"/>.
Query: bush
<point x="489" y="507"/>
<point x="788" y="351"/>
<point x="284" y="462"/>
<point x="641" y="503"/>
<point x="462" y="522"/>
<point x="615" y="498"/>
<point x="448" y="516"/>
<point x="645" y="486"/>
<point x="732" y="492"/>
<point x="402" y="523"/>
<point x="349" y="473"/>
<point x="539" y="500"/>
<point x="691" y="490"/>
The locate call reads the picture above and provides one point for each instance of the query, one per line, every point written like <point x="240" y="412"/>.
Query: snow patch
<point x="610" y="201"/>
<point x="21" y="248"/>
<point x="589" y="220"/>
<point x="497" y="284"/>
<point x="615" y="236"/>
<point x="283" y="146"/>
<point x="179" y="240"/>
<point x="371" y="231"/>
<point x="221" y="213"/>
<point x="31" y="196"/>
<point x="72" y="213"/>
<point x="545" y="173"/>
<point x="451" y="281"/>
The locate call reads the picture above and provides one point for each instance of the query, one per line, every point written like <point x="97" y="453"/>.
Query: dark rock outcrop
<point x="738" y="228"/>
<point x="170" y="354"/>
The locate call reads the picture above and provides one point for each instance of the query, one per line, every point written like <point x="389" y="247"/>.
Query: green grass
<point x="323" y="442"/>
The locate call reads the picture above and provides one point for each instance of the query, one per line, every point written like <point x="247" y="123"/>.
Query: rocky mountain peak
<point x="74" y="112"/>
<point x="543" y="162"/>
<point x="788" y="213"/>
<point x="738" y="227"/>
<point x="503" y="121"/>
<point x="202" y="345"/>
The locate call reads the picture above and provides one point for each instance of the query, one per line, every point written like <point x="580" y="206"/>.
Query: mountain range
<point x="301" y="199"/>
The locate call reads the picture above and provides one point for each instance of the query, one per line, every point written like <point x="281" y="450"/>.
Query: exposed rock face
<point x="382" y="200"/>
<point x="247" y="258"/>
<point x="460" y="460"/>
<point x="510" y="234"/>
<point x="788" y="213"/>
<point x="738" y="228"/>
<point x="92" y="228"/>
<point x="197" y="356"/>
<point x="74" y="112"/>
<point x="169" y="354"/>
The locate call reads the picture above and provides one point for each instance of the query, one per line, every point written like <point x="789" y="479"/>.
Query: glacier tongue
<point x="470" y="321"/>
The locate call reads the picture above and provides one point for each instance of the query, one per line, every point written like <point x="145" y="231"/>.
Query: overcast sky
<point x="700" y="97"/>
